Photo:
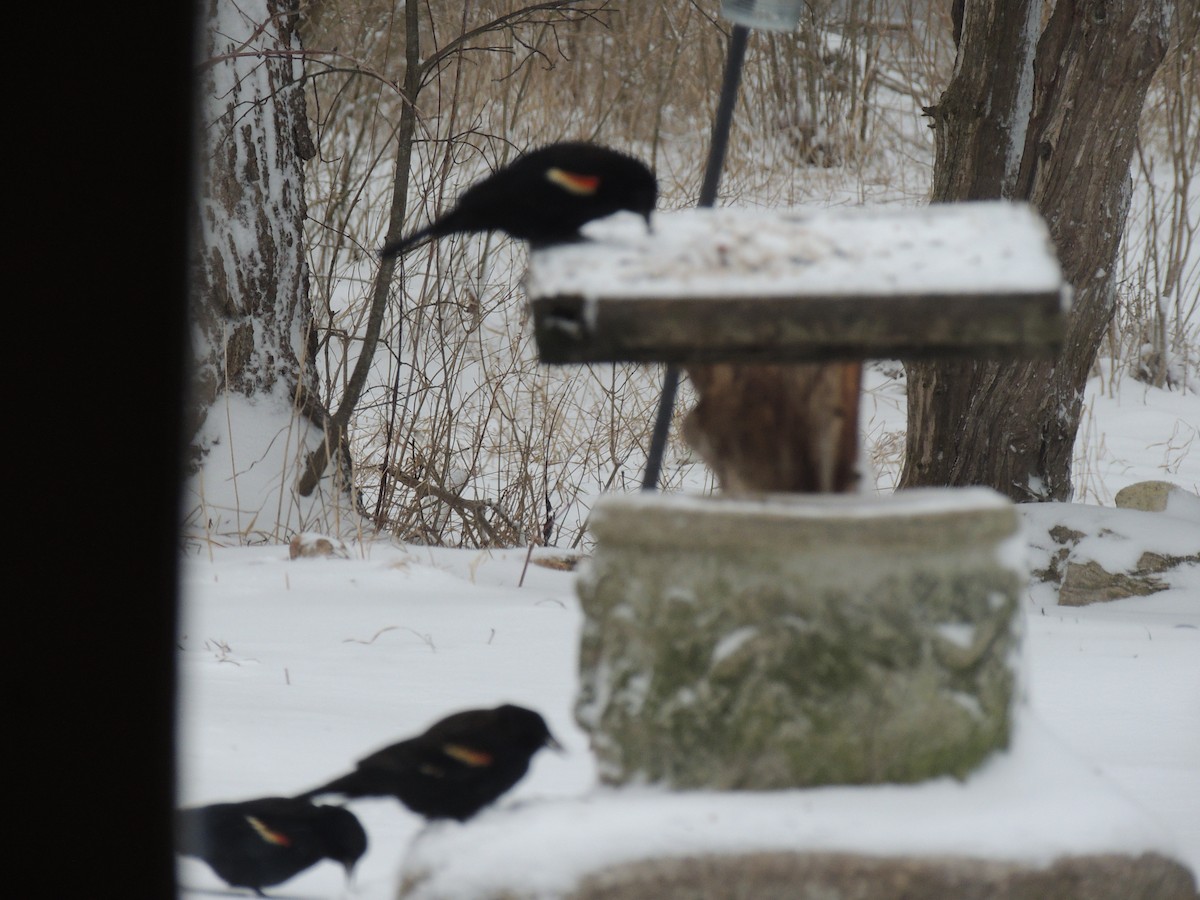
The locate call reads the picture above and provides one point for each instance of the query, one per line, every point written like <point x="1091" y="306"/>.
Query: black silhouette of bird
<point x="546" y="195"/>
<point x="258" y="843"/>
<point x="456" y="768"/>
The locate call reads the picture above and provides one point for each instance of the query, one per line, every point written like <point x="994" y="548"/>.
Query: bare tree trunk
<point x="251" y="321"/>
<point x="1052" y="123"/>
<point x="254" y="407"/>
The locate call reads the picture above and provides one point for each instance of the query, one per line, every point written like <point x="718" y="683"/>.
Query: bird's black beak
<point x="649" y="225"/>
<point x="553" y="744"/>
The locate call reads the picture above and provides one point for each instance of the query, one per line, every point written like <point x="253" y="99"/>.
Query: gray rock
<point x="1160" y="496"/>
<point x="1143" y="552"/>
<point x="1089" y="582"/>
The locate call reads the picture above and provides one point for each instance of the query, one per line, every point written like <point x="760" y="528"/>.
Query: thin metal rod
<point x="708" y="195"/>
<point x="662" y="426"/>
<point x="724" y="120"/>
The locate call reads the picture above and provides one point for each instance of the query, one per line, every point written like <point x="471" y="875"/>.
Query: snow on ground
<point x="292" y="670"/>
<point x="1034" y="803"/>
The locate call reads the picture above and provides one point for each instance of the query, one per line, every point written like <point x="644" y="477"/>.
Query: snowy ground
<point x="291" y="670"/>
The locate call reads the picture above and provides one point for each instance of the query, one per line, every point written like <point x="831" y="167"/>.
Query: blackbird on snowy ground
<point x="457" y="767"/>
<point x="545" y="196"/>
<point x="259" y="843"/>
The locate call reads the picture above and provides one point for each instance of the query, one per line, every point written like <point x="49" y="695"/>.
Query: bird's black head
<point x="345" y="838"/>
<point x="642" y="195"/>
<point x="525" y="728"/>
<point x="626" y="183"/>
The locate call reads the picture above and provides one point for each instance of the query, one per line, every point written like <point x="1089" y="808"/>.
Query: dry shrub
<point x="462" y="438"/>
<point x="1156" y="332"/>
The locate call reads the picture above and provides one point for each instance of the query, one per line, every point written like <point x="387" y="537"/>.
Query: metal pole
<point x="720" y="132"/>
<point x="708" y="195"/>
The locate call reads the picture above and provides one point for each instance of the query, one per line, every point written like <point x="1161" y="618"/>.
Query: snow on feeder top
<point x="774" y="15"/>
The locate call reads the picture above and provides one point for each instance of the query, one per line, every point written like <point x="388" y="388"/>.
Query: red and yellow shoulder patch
<point x="573" y="182"/>
<point x="467" y="756"/>
<point x="271" y="837"/>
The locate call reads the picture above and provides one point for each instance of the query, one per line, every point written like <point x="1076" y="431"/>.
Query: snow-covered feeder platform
<point x="784" y="285"/>
<point x="797" y="640"/>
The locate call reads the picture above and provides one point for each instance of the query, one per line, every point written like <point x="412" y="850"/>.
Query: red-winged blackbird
<point x="457" y="767"/>
<point x="258" y="843"/>
<point x="545" y="196"/>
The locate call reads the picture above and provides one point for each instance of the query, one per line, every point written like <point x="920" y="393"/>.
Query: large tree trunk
<point x="251" y="322"/>
<point x="1052" y="123"/>
<point x="250" y="312"/>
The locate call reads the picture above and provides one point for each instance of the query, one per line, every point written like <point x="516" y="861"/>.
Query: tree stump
<point x="778" y="428"/>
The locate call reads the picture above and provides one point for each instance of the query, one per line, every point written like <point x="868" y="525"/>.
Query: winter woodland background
<point x="461" y="438"/>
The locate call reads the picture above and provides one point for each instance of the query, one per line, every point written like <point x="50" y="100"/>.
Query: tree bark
<point x="781" y="428"/>
<point x="1052" y="123"/>
<point x="251" y="320"/>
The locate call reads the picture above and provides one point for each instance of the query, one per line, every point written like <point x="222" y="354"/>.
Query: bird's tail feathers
<point x="345" y="786"/>
<point x="189" y="832"/>
<point x="396" y="248"/>
<point x="359" y="783"/>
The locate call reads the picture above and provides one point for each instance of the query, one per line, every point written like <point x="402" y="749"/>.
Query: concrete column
<point x="797" y="640"/>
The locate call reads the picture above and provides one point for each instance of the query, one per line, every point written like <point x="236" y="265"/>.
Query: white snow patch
<point x="924" y="501"/>
<point x="960" y="634"/>
<point x="342" y="656"/>
<point x="951" y="249"/>
<point x="1031" y="804"/>
<point x="732" y="642"/>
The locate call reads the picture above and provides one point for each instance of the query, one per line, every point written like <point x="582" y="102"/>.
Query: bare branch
<point x="508" y="21"/>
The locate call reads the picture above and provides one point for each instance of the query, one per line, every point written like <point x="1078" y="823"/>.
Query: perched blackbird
<point x="545" y="196"/>
<point x="258" y="843"/>
<point x="457" y="767"/>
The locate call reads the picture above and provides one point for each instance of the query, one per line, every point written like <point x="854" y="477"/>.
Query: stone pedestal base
<point x="797" y="640"/>
<point x="841" y="876"/>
